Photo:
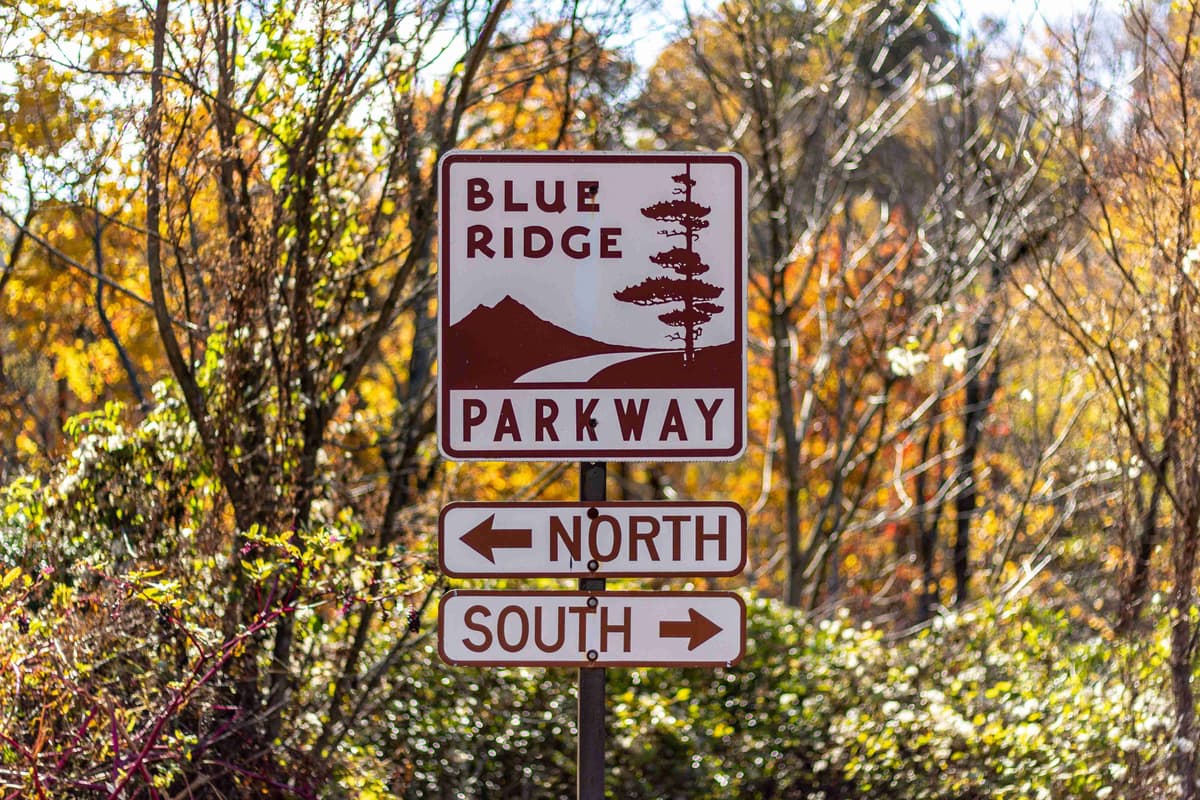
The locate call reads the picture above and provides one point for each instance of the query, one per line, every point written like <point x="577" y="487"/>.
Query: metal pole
<point x="590" y="754"/>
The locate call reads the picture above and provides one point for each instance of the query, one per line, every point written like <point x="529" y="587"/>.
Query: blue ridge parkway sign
<point x="592" y="306"/>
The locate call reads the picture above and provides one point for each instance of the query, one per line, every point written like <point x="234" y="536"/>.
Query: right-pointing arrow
<point x="698" y="629"/>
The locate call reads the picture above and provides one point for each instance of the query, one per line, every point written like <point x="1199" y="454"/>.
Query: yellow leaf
<point x="10" y="577"/>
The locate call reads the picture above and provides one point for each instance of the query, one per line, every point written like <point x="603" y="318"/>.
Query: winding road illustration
<point x="581" y="370"/>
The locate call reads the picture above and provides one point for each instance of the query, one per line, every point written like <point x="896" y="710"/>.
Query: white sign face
<point x="600" y="540"/>
<point x="592" y="306"/>
<point x="592" y="629"/>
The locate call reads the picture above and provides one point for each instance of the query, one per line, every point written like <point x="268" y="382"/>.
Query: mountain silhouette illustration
<point x="492" y="346"/>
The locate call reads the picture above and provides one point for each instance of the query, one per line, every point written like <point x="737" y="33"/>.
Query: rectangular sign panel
<point x="599" y="540"/>
<point x="592" y="306"/>
<point x="592" y="629"/>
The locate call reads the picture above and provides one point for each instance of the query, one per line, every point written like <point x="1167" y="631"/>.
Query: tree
<point x="68" y="221"/>
<point x="790" y="94"/>
<point x="1131" y="307"/>
<point x="696" y="295"/>
<point x="897" y="178"/>
<point x="1008" y="198"/>
<point x="283" y="224"/>
<point x="554" y="86"/>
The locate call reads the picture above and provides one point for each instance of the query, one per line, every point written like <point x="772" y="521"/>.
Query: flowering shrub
<point x="117" y="640"/>
<point x="113" y="642"/>
<point x="999" y="703"/>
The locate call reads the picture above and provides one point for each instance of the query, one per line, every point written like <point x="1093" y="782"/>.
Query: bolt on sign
<point x="598" y="540"/>
<point x="592" y="306"/>
<point x="592" y="629"/>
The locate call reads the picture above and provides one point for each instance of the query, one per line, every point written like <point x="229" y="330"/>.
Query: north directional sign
<point x="592" y="306"/>
<point x="592" y="629"/>
<point x="600" y="539"/>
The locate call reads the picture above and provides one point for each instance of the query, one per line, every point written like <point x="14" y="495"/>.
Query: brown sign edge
<point x="583" y="571"/>
<point x="741" y="181"/>
<point x="584" y="663"/>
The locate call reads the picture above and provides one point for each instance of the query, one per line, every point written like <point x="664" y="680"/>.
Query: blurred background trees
<point x="971" y="485"/>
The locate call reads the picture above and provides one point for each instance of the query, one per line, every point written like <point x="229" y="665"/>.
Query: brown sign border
<point x="582" y="571"/>
<point x="584" y="663"/>
<point x="632" y="453"/>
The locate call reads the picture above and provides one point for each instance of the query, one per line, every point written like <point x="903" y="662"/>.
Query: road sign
<point x="597" y="540"/>
<point x="592" y="629"/>
<point x="592" y="306"/>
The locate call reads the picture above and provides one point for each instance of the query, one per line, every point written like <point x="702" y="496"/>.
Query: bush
<point x="113" y="598"/>
<point x="999" y="703"/>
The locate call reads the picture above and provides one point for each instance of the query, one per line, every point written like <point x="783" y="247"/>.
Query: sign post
<point x="593" y="486"/>
<point x="592" y="308"/>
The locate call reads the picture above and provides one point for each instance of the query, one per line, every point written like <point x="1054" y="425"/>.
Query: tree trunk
<point x="781" y="356"/>
<point x="1135" y="588"/>
<point x="981" y="388"/>
<point x="1183" y="647"/>
<point x="927" y="525"/>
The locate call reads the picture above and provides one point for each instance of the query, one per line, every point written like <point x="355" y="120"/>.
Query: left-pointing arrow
<point x="698" y="629"/>
<point x="484" y="538"/>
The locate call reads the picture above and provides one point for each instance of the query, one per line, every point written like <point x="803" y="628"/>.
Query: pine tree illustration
<point x="687" y="217"/>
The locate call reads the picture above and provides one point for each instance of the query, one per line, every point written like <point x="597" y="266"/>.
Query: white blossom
<point x="906" y="362"/>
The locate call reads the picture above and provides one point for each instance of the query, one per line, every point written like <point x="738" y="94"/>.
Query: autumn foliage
<point x="971" y="480"/>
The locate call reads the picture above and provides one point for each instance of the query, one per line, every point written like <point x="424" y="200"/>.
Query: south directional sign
<point x="592" y="306"/>
<point x="592" y="629"/>
<point x="599" y="540"/>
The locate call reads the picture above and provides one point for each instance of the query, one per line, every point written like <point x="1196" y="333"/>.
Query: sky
<point x="1053" y="11"/>
<point x="652" y="33"/>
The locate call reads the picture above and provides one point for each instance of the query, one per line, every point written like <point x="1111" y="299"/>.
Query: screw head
<point x="592" y="655"/>
<point x="593" y="565"/>
<point x="593" y="602"/>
